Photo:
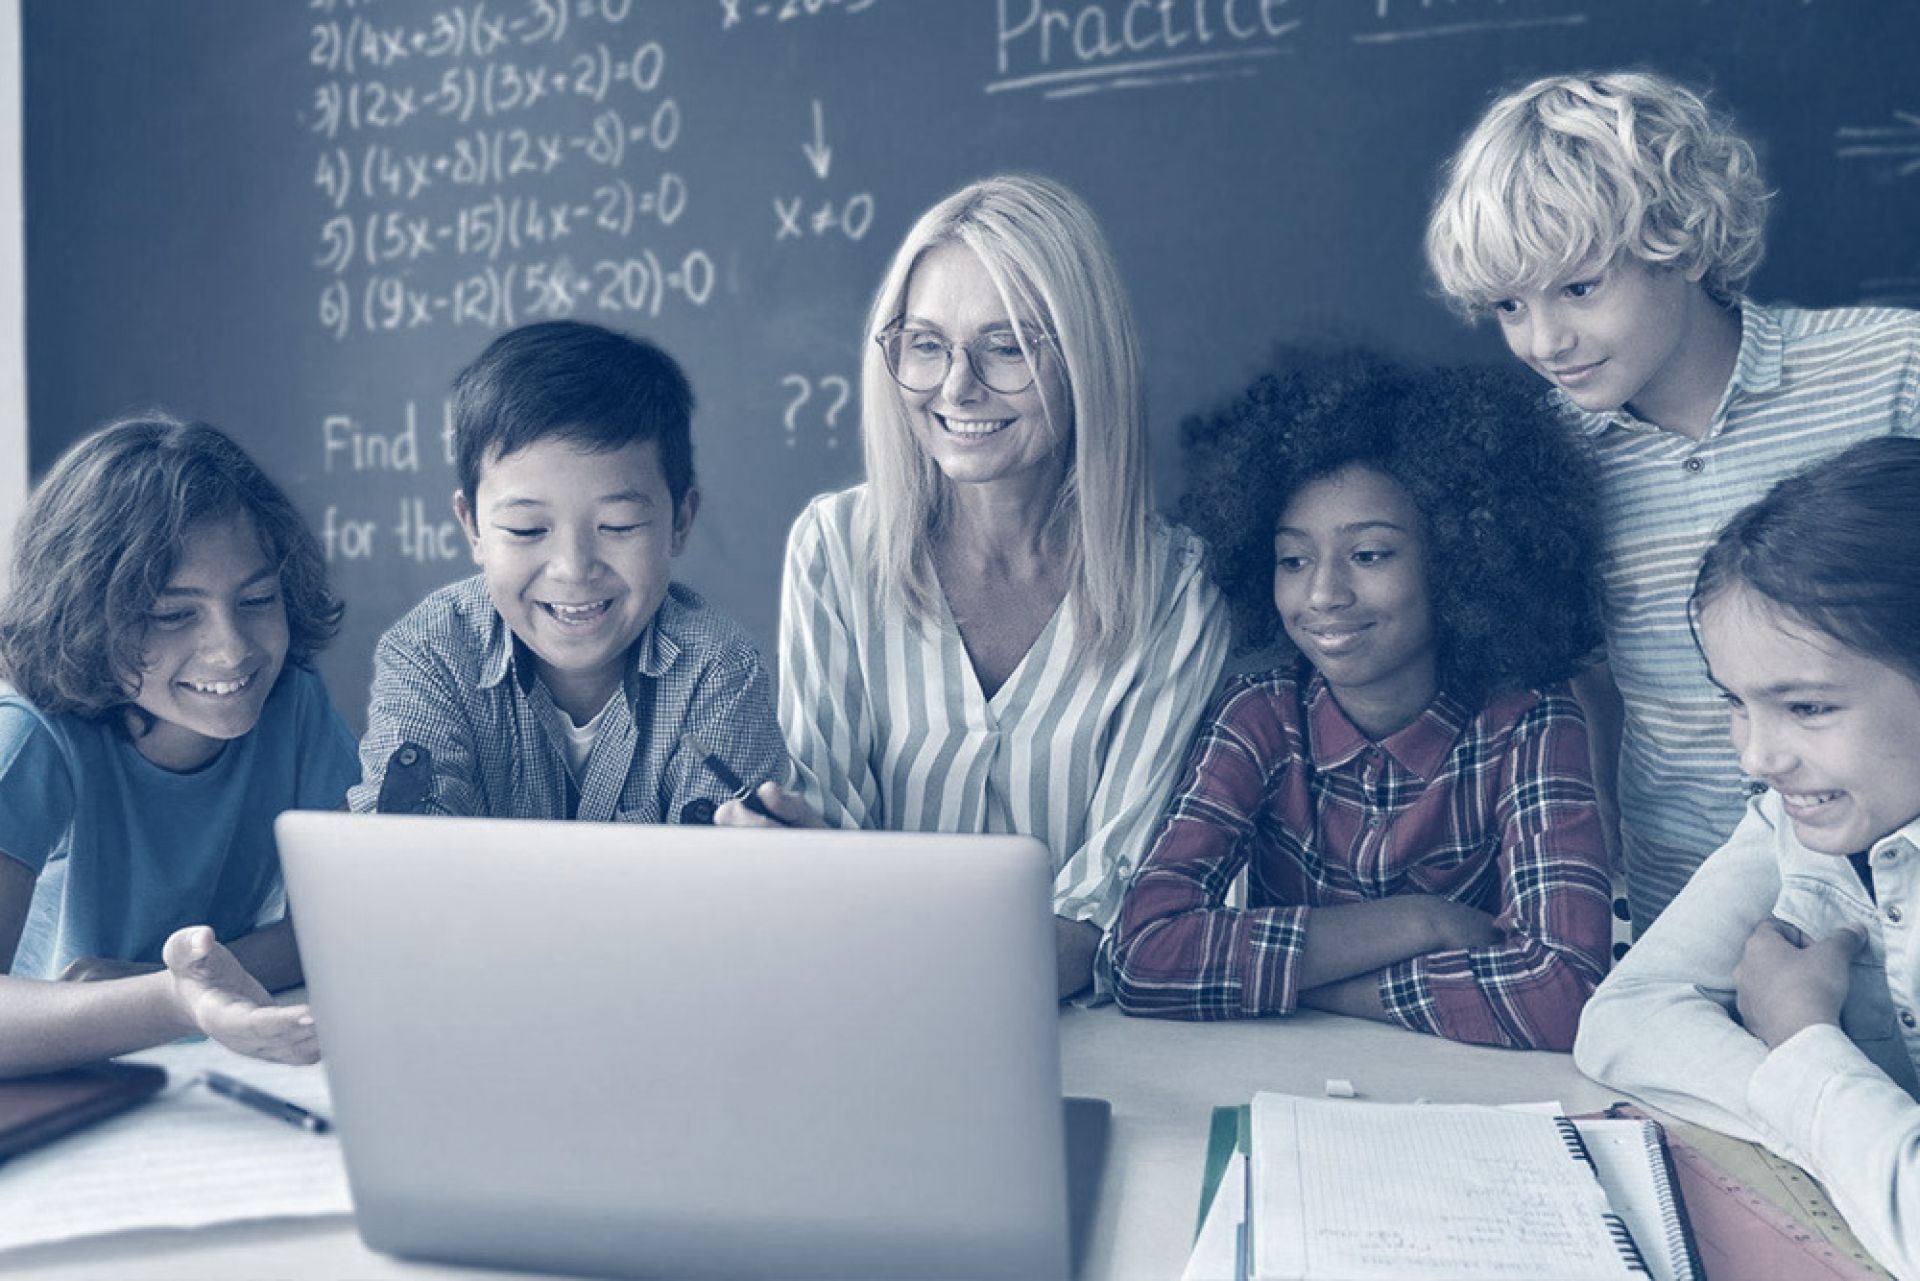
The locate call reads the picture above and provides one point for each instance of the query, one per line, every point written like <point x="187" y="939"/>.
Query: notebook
<point x="686" y="1051"/>
<point x="39" y="1109"/>
<point x="1400" y="1192"/>
<point x="1631" y="1157"/>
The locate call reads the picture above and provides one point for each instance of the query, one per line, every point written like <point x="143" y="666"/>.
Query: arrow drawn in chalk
<point x="818" y="153"/>
<point x="1899" y="142"/>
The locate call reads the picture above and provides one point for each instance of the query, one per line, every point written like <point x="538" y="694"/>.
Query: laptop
<point x="614" y="1049"/>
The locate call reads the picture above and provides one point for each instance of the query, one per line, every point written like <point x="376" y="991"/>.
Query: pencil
<point x="748" y="796"/>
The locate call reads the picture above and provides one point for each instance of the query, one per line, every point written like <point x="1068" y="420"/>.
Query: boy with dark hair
<point x="570" y="678"/>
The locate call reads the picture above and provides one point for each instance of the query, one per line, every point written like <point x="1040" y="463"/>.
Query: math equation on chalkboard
<point x="553" y="127"/>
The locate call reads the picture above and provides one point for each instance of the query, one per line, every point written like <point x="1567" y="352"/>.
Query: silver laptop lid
<point x="682" y="1051"/>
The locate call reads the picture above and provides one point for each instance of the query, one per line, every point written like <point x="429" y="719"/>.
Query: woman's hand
<point x="779" y="800"/>
<point x="217" y="996"/>
<point x="1785" y="985"/>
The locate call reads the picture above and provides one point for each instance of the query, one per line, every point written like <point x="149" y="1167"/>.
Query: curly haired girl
<point x="1411" y="795"/>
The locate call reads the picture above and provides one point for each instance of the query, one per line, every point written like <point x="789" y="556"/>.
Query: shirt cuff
<point x="1274" y="941"/>
<point x="1447" y="1004"/>
<point x="1407" y="998"/>
<point x="1104" y="982"/>
<point x="1784" y="1090"/>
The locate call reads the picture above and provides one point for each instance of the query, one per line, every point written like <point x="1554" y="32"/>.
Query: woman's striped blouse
<point x="888" y="726"/>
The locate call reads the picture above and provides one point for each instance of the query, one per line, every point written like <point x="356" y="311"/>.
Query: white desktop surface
<point x="1163" y="1080"/>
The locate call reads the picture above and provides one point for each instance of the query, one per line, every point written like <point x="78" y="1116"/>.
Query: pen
<point x="748" y="796"/>
<point x="271" y="1104"/>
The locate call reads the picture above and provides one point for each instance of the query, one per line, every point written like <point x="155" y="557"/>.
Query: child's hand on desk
<point x="92" y="969"/>
<point x="218" y="997"/>
<point x="783" y="803"/>
<point x="1786" y="984"/>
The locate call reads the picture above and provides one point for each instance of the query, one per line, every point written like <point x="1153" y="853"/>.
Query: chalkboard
<point x="297" y="220"/>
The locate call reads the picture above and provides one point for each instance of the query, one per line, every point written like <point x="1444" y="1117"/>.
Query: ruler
<point x="1784" y="1210"/>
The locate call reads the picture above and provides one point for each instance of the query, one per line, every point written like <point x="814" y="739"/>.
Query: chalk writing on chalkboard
<point x="394" y="111"/>
<point x="1896" y="145"/>
<point x="825" y="399"/>
<point x="1068" y="50"/>
<point x="420" y="532"/>
<point x="553" y="127"/>
<point x="734" y="12"/>
<point x="1398" y="20"/>
<point x="1892" y="152"/>
<point x="798" y="217"/>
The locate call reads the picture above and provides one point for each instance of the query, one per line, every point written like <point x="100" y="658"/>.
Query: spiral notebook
<point x="1630" y="1155"/>
<point x="1378" y="1190"/>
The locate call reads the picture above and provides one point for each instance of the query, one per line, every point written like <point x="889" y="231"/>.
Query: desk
<point x="1163" y="1080"/>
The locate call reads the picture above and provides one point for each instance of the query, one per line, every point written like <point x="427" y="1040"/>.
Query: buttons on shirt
<point x="1893" y="913"/>
<point x="1906" y="1019"/>
<point x="1756" y="788"/>
<point x="1693" y="464"/>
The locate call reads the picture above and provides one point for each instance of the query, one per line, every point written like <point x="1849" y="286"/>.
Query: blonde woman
<point x="996" y="633"/>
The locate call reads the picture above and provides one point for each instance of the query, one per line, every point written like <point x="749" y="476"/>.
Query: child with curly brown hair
<point x="1411" y="796"/>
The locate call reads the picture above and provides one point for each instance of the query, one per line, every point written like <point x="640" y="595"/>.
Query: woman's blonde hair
<point x="1571" y="171"/>
<point x="1047" y="257"/>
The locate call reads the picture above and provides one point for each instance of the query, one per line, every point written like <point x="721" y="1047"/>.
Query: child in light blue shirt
<point x="158" y="713"/>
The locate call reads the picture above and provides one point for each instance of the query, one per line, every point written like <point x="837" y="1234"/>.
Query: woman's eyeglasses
<point x="1002" y="359"/>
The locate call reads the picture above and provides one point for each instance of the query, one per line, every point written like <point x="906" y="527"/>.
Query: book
<point x="1223" y="1200"/>
<point x="38" y="1109"/>
<point x="1359" y="1191"/>
<point x="1226" y="1141"/>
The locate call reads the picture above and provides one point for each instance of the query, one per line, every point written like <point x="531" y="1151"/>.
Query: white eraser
<point x="1338" y="1087"/>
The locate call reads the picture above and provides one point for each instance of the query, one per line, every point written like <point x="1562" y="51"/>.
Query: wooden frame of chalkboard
<point x="297" y="220"/>
<point x="13" y="289"/>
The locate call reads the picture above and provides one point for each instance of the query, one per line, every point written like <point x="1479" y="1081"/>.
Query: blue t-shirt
<point x="129" y="852"/>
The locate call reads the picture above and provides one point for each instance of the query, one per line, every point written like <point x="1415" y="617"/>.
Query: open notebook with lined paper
<point x="1358" y="1190"/>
